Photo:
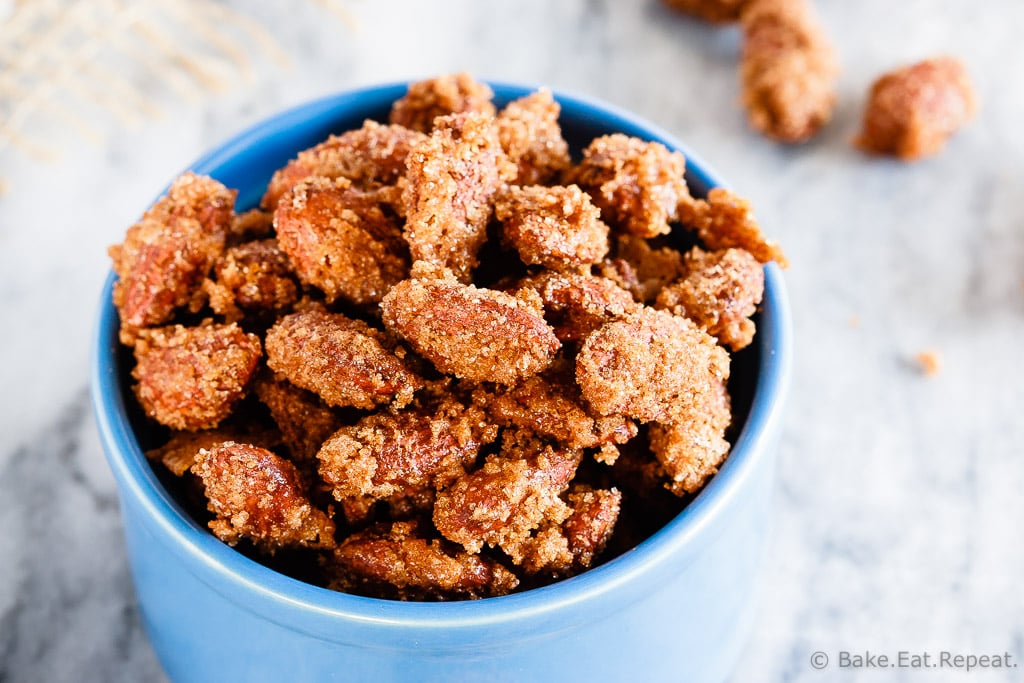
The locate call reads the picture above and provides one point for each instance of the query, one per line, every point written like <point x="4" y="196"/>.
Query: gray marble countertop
<point x="900" y="503"/>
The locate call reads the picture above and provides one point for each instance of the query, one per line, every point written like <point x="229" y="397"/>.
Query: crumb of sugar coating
<point x="787" y="69"/>
<point x="928" y="362"/>
<point x="719" y="292"/>
<point x="190" y="377"/>
<point x="258" y="496"/>
<point x="448" y="94"/>
<point x="470" y="332"/>
<point x="340" y="359"/>
<point x="912" y="111"/>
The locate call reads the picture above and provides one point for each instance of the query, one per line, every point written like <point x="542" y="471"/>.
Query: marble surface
<point x="900" y="496"/>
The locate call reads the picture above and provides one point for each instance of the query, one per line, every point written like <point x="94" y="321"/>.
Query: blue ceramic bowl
<point x="675" y="608"/>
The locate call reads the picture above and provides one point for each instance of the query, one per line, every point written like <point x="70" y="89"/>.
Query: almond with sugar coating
<point x="472" y="333"/>
<point x="191" y="377"/>
<point x="259" y="496"/>
<point x="340" y="359"/>
<point x="401" y="561"/>
<point x="645" y="366"/>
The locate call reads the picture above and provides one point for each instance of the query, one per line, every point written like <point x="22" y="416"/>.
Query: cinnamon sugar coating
<point x="304" y="419"/>
<point x="531" y="137"/>
<point x="400" y="561"/>
<point x="912" y="111"/>
<point x="645" y="366"/>
<point x="720" y="291"/>
<point x="387" y="453"/>
<point x="258" y="496"/>
<point x="501" y="503"/>
<point x="470" y="332"/>
<point x="727" y="220"/>
<point x="691" y="445"/>
<point x="715" y="11"/>
<point x="453" y="177"/>
<point x="165" y="256"/>
<point x="636" y="184"/>
<point x="788" y="69"/>
<point x="190" y="377"/>
<point x="556" y="227"/>
<point x="254" y="277"/>
<point x="371" y="156"/>
<point x="340" y="359"/>
<point x="576" y="304"/>
<point x="552" y="408"/>
<point x="640" y="268"/>
<point x="570" y="547"/>
<point x="434" y="97"/>
<point x="340" y="240"/>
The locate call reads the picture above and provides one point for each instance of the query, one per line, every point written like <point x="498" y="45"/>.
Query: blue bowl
<point x="677" y="607"/>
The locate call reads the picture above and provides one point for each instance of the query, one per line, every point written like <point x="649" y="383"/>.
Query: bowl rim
<point x="292" y="600"/>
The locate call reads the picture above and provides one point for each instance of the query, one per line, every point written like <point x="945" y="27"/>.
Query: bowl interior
<point x="246" y="163"/>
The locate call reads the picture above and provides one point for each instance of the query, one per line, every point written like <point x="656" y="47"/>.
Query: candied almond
<point x="371" y="156"/>
<point x="304" y="419"/>
<point x="340" y="240"/>
<point x="453" y="177"/>
<point x="720" y="291"/>
<point x="576" y="304"/>
<point x="166" y="255"/>
<point x="448" y="94"/>
<point x="191" y="377"/>
<point x="399" y="561"/>
<point x="556" y="227"/>
<point x="508" y="497"/>
<point x="258" y="496"/>
<point x="386" y="453"/>
<point x="636" y="184"/>
<point x="691" y="445"/>
<point x="727" y="220"/>
<point x="787" y="68"/>
<point x="645" y="366"/>
<point x="531" y="137"/>
<point x="912" y="111"/>
<point x="340" y="359"/>
<point x="254" y="277"/>
<point x="550" y="408"/>
<point x="470" y="332"/>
